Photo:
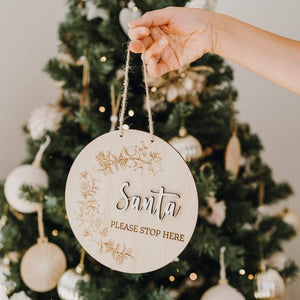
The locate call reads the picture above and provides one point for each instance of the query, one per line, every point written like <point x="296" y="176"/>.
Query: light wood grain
<point x="233" y="155"/>
<point x="92" y="193"/>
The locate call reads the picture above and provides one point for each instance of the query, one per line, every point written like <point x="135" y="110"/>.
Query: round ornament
<point x="24" y="175"/>
<point x="42" y="265"/>
<point x="127" y="14"/>
<point x="131" y="202"/>
<point x="291" y="218"/>
<point x="67" y="285"/>
<point x="187" y="145"/>
<point x="45" y="118"/>
<point x="268" y="284"/>
<point x="233" y="155"/>
<point x="222" y="291"/>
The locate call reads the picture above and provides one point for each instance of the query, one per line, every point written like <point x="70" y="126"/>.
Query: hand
<point x="171" y="37"/>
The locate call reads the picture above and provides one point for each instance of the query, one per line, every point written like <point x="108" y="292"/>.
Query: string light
<point x="131" y="113"/>
<point x="242" y="272"/>
<point x="134" y="8"/>
<point x="103" y="59"/>
<point x="172" y="278"/>
<point x="54" y="232"/>
<point x="193" y="276"/>
<point x="153" y="89"/>
<point x="125" y="126"/>
<point x="177" y="270"/>
<point x="102" y="109"/>
<point x="250" y="277"/>
<point x="66" y="217"/>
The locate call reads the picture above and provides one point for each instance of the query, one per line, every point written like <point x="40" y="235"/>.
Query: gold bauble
<point x="187" y="145"/>
<point x="42" y="266"/>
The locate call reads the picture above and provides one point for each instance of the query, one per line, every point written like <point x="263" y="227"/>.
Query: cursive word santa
<point x="155" y="204"/>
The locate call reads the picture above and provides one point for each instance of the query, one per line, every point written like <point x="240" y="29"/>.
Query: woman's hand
<point x="171" y="37"/>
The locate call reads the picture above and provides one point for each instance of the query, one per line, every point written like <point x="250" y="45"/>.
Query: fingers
<point x="155" y="69"/>
<point x="138" y="33"/>
<point x="140" y="45"/>
<point x="155" y="49"/>
<point x="153" y="18"/>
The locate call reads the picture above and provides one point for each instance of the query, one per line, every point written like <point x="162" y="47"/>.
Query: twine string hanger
<point x="124" y="96"/>
<point x="41" y="223"/>
<point x="39" y="155"/>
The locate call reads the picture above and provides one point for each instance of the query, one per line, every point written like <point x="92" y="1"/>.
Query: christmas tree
<point x="193" y="110"/>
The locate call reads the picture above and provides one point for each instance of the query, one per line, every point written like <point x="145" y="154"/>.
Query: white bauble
<point x="45" y="118"/>
<point x="222" y="291"/>
<point x="128" y="14"/>
<point x="42" y="266"/>
<point x="67" y="285"/>
<point x="19" y="296"/>
<point x="204" y="4"/>
<point x="268" y="285"/>
<point x="277" y="261"/>
<point x="29" y="175"/>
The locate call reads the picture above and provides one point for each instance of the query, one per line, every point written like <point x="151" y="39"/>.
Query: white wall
<point x="28" y="35"/>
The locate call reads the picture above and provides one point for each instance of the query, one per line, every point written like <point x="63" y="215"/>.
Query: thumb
<point x="152" y="18"/>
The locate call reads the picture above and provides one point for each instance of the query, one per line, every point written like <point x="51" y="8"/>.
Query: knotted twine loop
<point x="124" y="96"/>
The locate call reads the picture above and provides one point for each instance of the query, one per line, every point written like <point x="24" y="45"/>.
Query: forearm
<point x="271" y="56"/>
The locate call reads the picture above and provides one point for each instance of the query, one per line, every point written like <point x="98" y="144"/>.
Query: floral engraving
<point x="92" y="219"/>
<point x="138" y="157"/>
<point x="118" y="255"/>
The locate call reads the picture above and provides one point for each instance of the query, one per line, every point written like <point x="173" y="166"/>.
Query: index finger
<point x="153" y="18"/>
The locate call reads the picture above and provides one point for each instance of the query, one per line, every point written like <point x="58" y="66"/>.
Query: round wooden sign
<point x="131" y="203"/>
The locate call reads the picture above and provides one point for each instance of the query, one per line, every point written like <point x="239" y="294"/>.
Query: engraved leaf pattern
<point x="118" y="255"/>
<point x="93" y="220"/>
<point x="139" y="158"/>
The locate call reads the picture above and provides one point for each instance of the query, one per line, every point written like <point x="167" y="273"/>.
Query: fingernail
<point x="163" y="41"/>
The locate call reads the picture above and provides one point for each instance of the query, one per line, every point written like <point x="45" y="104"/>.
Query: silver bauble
<point x="67" y="285"/>
<point x="187" y="145"/>
<point x="268" y="285"/>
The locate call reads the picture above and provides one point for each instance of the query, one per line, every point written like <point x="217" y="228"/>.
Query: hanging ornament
<point x="277" y="261"/>
<point x="204" y="4"/>
<point x="42" y="264"/>
<point x="129" y="188"/>
<point x="85" y="94"/>
<point x="187" y="145"/>
<point x="222" y="291"/>
<point x="115" y="104"/>
<point x="233" y="155"/>
<point x="45" y="118"/>
<point x="67" y="285"/>
<point x="127" y="14"/>
<point x="183" y="85"/>
<point x="215" y="212"/>
<point x="19" y="296"/>
<point x="32" y="175"/>
<point x="268" y="284"/>
<point x="291" y="218"/>
<point x="93" y="12"/>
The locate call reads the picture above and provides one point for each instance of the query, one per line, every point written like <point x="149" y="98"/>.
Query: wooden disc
<point x="131" y="203"/>
<point x="233" y="155"/>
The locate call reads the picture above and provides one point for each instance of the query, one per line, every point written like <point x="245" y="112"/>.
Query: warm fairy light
<point x="131" y="113"/>
<point x="54" y="232"/>
<point x="102" y="109"/>
<point x="153" y="89"/>
<point x="66" y="217"/>
<point x="171" y="278"/>
<point x="193" y="276"/>
<point x="125" y="126"/>
<point x="134" y="8"/>
<point x="103" y="59"/>
<point x="177" y="270"/>
<point x="250" y="277"/>
<point x="242" y="272"/>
